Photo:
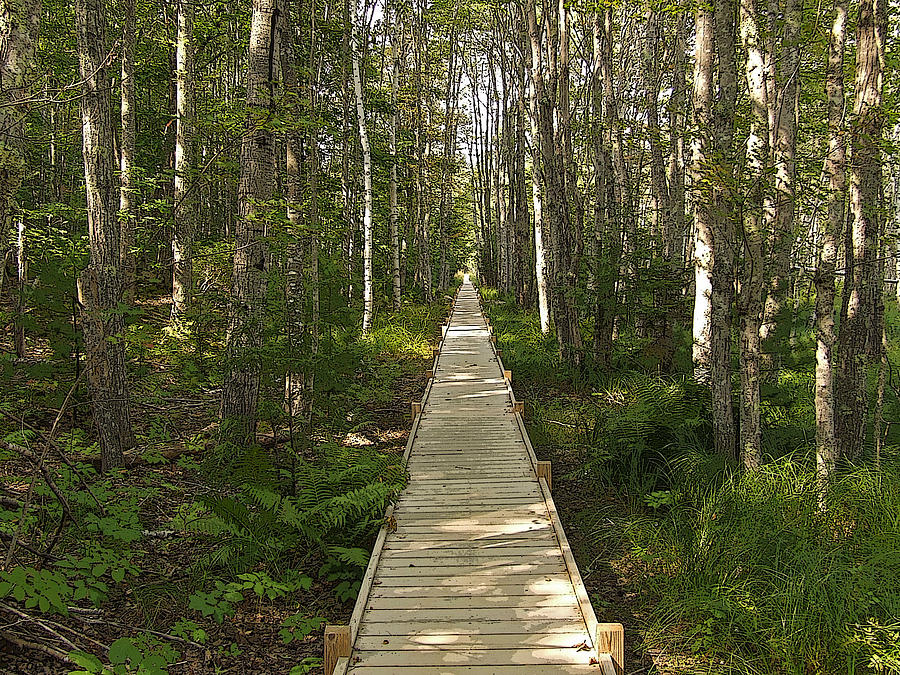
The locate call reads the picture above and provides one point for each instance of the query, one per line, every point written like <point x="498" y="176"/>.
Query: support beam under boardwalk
<point x="472" y="573"/>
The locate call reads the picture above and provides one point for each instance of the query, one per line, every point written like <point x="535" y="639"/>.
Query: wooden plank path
<point x="472" y="572"/>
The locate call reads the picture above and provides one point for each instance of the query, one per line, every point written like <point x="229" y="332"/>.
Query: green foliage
<point x="43" y="589"/>
<point x="307" y="665"/>
<point x="189" y="630"/>
<point x="299" y="626"/>
<point x="74" y="579"/>
<point x="221" y="600"/>
<point x="749" y="572"/>
<point x="143" y="655"/>
<point x="339" y="497"/>
<point x="756" y="570"/>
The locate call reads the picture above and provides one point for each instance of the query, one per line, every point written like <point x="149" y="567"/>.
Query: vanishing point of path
<point x="472" y="572"/>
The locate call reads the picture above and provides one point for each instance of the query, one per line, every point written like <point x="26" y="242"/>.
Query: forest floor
<point x="164" y="477"/>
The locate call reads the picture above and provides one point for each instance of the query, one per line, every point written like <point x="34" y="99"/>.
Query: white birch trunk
<point x="185" y="201"/>
<point x="368" y="296"/>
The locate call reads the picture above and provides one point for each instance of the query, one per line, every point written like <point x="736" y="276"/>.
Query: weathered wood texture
<point x="474" y="574"/>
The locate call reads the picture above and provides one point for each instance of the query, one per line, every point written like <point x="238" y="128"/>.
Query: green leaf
<point x="87" y="661"/>
<point x="123" y="650"/>
<point x="118" y="574"/>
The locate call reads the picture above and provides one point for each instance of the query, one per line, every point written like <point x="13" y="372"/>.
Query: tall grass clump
<point x="758" y="572"/>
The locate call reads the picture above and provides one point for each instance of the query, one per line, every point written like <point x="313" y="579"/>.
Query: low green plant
<point x="299" y="626"/>
<point x="307" y="665"/>
<point x="220" y="601"/>
<point x="142" y="655"/>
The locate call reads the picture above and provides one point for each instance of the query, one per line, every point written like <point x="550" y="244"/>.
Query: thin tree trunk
<point x="784" y="150"/>
<point x="101" y="283"/>
<point x="661" y="216"/>
<point x="19" y="29"/>
<point x="712" y="247"/>
<point x="395" y="124"/>
<point x="22" y="280"/>
<point x="128" y="118"/>
<point x="185" y="200"/>
<point x="240" y="391"/>
<point x="750" y="301"/>
<point x="835" y="169"/>
<point x="368" y="295"/>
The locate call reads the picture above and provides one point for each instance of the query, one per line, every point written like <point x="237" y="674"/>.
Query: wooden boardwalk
<point x="472" y="572"/>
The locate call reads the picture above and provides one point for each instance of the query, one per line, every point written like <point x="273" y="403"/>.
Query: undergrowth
<point x="746" y="573"/>
<point x="284" y="525"/>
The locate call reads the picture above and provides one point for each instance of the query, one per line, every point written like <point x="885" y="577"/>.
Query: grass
<point x="729" y="572"/>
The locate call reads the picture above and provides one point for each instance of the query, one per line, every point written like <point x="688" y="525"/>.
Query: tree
<point x="397" y="39"/>
<point x="713" y="254"/>
<point x="368" y="289"/>
<point x="240" y="391"/>
<point x="184" y="194"/>
<point x="750" y="301"/>
<point x="835" y="169"/>
<point x="19" y="27"/>
<point x="128" y="117"/>
<point x="783" y="97"/>
<point x="100" y="288"/>
<point x="861" y="313"/>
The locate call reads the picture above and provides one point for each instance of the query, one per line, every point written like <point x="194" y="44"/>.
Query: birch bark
<point x="185" y="200"/>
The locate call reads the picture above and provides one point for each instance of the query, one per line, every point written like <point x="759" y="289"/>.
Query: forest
<point x="231" y="231"/>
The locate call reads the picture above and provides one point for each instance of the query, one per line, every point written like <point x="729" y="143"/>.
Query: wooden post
<point x="493" y="339"/>
<point x="507" y="375"/>
<point x="499" y="353"/>
<point x="337" y="645"/>
<point x="435" y="352"/>
<point x="415" y="409"/>
<point x="519" y="407"/>
<point x="611" y="640"/>
<point x="544" y="471"/>
<point x="429" y="374"/>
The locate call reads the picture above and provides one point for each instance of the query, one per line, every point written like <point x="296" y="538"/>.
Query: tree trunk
<point x="128" y="116"/>
<point x="185" y="200"/>
<point x="784" y="150"/>
<point x="395" y="124"/>
<point x="22" y="280"/>
<point x="240" y="391"/>
<point x="101" y="283"/>
<point x="19" y="27"/>
<point x="750" y="301"/>
<point x="302" y="271"/>
<point x="711" y="169"/>
<point x="566" y="258"/>
<point x="661" y="217"/>
<point x="835" y="169"/>
<point x="368" y="295"/>
<point x="861" y="325"/>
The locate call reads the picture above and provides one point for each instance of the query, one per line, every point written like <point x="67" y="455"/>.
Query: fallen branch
<point x="156" y="633"/>
<point x="38" y="462"/>
<point x="43" y="623"/>
<point x="41" y="554"/>
<point x="27" y="644"/>
<point x="59" y="451"/>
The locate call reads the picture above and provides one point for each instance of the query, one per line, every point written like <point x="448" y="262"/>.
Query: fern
<point x="339" y="498"/>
